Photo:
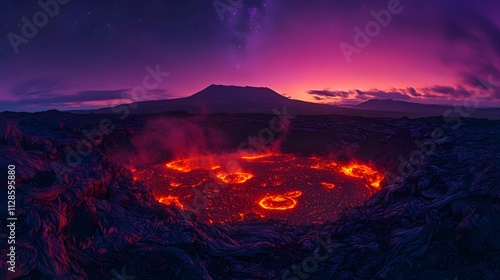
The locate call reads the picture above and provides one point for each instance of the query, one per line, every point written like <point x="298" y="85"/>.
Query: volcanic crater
<point x="341" y="182"/>
<point x="239" y="187"/>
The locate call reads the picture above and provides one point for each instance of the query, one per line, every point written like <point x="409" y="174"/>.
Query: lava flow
<point x="170" y="200"/>
<point x="234" y="178"/>
<point x="363" y="171"/>
<point x="280" y="202"/>
<point x="281" y="186"/>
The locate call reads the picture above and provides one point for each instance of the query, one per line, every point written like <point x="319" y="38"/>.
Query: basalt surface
<point x="86" y="216"/>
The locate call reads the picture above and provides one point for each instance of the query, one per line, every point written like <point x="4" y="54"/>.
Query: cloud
<point x="95" y="95"/>
<point x="473" y="45"/>
<point x="329" y="93"/>
<point x="50" y="92"/>
<point x="46" y="98"/>
<point x="49" y="99"/>
<point x="447" y="92"/>
<point x="488" y="90"/>
<point x="380" y="94"/>
<point x="359" y="95"/>
<point x="413" y="92"/>
<point x="37" y="88"/>
<point x="443" y="89"/>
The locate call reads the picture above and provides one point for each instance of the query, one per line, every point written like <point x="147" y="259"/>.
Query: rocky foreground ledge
<point x="439" y="220"/>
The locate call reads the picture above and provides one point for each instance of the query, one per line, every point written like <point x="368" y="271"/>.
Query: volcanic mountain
<point x="235" y="99"/>
<point x="230" y="99"/>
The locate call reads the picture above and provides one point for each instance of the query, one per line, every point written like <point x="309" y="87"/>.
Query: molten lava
<point x="182" y="165"/>
<point x="297" y="188"/>
<point x="190" y="164"/>
<point x="175" y="184"/>
<point x="328" y="185"/>
<point x="235" y="178"/>
<point x="170" y="200"/>
<point x="280" y="202"/>
<point x="256" y="156"/>
<point x="363" y="171"/>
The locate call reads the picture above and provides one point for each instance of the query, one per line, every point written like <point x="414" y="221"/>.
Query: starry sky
<point x="85" y="54"/>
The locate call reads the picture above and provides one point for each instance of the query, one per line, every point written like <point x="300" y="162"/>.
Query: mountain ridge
<point x="248" y="99"/>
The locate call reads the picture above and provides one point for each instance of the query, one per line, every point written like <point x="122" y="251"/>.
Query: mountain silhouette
<point x="236" y="99"/>
<point x="425" y="110"/>
<point x="229" y="99"/>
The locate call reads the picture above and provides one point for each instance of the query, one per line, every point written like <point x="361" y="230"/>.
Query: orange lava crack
<point x="280" y="202"/>
<point x="170" y="200"/>
<point x="362" y="171"/>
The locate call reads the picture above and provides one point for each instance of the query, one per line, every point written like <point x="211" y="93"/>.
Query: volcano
<point x="230" y="99"/>
<point x="263" y="100"/>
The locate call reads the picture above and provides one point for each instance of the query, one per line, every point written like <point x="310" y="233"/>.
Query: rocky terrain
<point x="82" y="216"/>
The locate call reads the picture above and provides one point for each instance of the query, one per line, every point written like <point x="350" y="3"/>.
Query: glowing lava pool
<point x="232" y="188"/>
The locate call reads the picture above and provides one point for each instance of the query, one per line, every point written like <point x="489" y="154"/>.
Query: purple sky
<point x="93" y="53"/>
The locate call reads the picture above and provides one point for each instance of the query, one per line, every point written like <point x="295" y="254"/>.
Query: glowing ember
<point x="181" y="165"/>
<point x="235" y="178"/>
<point x="233" y="188"/>
<point x="294" y="194"/>
<point x="328" y="185"/>
<point x="363" y="171"/>
<point x="280" y="202"/>
<point x="170" y="200"/>
<point x="251" y="157"/>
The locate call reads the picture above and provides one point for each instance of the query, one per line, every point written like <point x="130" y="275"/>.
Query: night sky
<point x="92" y="53"/>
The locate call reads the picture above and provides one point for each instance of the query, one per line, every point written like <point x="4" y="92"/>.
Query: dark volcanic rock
<point x="440" y="219"/>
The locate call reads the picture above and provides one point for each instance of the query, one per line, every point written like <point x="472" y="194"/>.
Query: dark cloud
<point x="380" y="94"/>
<point x="37" y="88"/>
<point x="51" y="93"/>
<point x="473" y="44"/>
<point x="89" y="96"/>
<point x="329" y="93"/>
<point x="360" y="95"/>
<point x="84" y="96"/>
<point x="94" y="95"/>
<point x="413" y="92"/>
<point x="443" y="89"/>
<point x="447" y="92"/>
